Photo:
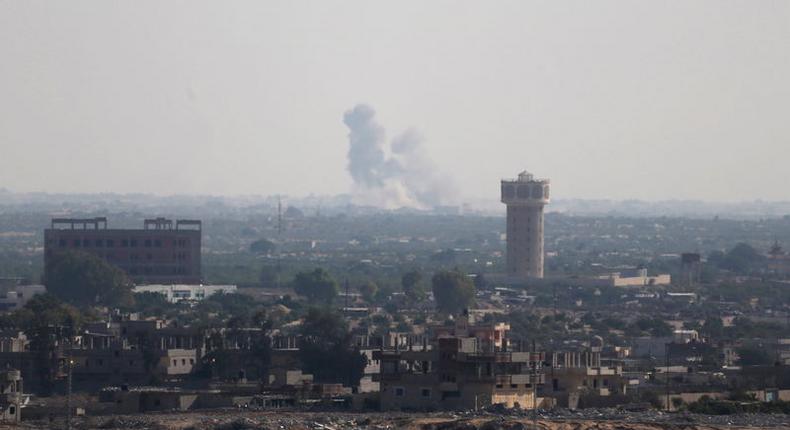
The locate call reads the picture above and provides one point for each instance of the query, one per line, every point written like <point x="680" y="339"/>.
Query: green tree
<point x="412" y="286"/>
<point x="85" y="279"/>
<point x="713" y="327"/>
<point x="753" y="356"/>
<point x="317" y="286"/>
<point x="47" y="322"/>
<point x="260" y="319"/>
<point x="229" y="305"/>
<point x="151" y="303"/>
<point x="262" y="246"/>
<point x="327" y="351"/>
<point x="655" y="326"/>
<point x="481" y="282"/>
<point x="741" y="258"/>
<point x="453" y="291"/>
<point x="368" y="291"/>
<point x="269" y="277"/>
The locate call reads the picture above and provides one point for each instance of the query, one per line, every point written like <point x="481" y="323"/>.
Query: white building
<point x="180" y="292"/>
<point x="15" y="297"/>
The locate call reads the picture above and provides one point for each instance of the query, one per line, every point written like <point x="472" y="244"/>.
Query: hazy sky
<point x="609" y="99"/>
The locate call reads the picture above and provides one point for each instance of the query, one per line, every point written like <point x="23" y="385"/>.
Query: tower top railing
<point x="98" y="223"/>
<point x="526" y="177"/>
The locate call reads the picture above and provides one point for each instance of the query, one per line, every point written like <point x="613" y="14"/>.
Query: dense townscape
<point x="380" y="215"/>
<point x="271" y="308"/>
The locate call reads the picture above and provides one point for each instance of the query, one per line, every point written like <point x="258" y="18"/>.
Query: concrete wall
<point x="525" y="198"/>
<point x="525" y="241"/>
<point x="425" y="395"/>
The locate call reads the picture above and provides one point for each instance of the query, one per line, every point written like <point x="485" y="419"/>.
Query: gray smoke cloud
<point x="396" y="174"/>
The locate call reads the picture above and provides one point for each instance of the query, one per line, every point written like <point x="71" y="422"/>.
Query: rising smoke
<point x="394" y="175"/>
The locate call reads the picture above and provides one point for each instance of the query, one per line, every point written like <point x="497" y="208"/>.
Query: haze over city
<point x="400" y="214"/>
<point x="610" y="99"/>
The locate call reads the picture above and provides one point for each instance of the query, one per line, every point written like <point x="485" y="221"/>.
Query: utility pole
<point x="70" y="365"/>
<point x="68" y="397"/>
<point x="666" y="374"/>
<point x="554" y="297"/>
<point x="534" y="377"/>
<point x="346" y="301"/>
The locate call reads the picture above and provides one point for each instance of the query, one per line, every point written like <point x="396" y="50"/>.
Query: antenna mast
<point x="279" y="237"/>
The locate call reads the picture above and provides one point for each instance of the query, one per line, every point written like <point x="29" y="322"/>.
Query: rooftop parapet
<point x="525" y="190"/>
<point x="73" y="223"/>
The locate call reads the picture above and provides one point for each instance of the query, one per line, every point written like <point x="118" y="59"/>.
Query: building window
<point x="99" y="243"/>
<point x="425" y="392"/>
<point x="175" y="362"/>
<point x="110" y="243"/>
<point x="62" y="243"/>
<point x="77" y="243"/>
<point x="133" y="243"/>
<point x="400" y="392"/>
<point x="124" y="243"/>
<point x="86" y="243"/>
<point x="158" y="243"/>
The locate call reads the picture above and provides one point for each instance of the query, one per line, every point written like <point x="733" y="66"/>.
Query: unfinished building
<point x="467" y="367"/>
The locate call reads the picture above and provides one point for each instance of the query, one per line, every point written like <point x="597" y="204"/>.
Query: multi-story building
<point x="525" y="198"/>
<point x="162" y="252"/>
<point x="574" y="374"/>
<point x="464" y="368"/>
<point x="133" y="351"/>
<point x="690" y="268"/>
<point x="15" y="297"/>
<point x="11" y="399"/>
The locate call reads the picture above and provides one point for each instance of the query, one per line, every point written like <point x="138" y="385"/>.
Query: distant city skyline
<point x="611" y="99"/>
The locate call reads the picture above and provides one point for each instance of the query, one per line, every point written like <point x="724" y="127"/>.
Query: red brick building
<point x="162" y="252"/>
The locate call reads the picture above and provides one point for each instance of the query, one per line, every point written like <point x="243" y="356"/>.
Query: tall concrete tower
<point x="525" y="198"/>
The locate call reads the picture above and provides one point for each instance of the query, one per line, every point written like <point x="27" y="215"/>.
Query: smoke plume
<point x="394" y="175"/>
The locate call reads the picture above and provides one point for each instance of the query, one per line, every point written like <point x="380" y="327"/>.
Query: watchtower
<point x="525" y="198"/>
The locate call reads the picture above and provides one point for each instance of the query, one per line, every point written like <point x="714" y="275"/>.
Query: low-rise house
<point x="176" y="293"/>
<point x="150" y="399"/>
<point x="13" y="298"/>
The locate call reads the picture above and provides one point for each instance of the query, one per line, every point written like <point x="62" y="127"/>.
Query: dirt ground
<point x="249" y="420"/>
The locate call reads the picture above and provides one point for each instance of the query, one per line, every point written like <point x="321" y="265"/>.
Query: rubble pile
<point x="656" y="416"/>
<point x="559" y="419"/>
